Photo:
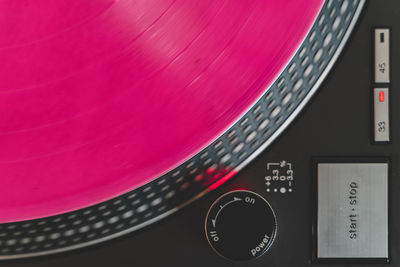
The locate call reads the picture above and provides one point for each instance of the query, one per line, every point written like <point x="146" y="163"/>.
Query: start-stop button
<point x="352" y="210"/>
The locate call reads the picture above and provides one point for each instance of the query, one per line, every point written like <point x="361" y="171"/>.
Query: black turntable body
<point x="324" y="192"/>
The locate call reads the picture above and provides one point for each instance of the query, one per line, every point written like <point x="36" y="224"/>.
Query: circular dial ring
<point x="240" y="225"/>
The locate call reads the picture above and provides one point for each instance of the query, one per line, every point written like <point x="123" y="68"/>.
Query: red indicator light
<point x="381" y="96"/>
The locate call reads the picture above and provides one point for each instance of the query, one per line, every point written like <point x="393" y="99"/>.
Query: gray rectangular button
<point x="352" y="219"/>
<point x="381" y="115"/>
<point x="382" y="55"/>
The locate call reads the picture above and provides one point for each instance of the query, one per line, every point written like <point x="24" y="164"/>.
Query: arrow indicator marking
<point x="214" y="221"/>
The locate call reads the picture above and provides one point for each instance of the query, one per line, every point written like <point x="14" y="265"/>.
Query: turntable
<point x="198" y="133"/>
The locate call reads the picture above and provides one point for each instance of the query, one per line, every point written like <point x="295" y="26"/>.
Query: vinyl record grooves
<point x="119" y="114"/>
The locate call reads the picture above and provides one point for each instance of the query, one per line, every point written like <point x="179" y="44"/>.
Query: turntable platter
<point x="100" y="97"/>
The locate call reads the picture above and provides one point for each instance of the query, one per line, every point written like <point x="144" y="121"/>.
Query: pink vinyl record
<point x="100" y="97"/>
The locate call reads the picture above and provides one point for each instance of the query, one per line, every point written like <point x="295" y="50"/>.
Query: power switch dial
<point x="240" y="225"/>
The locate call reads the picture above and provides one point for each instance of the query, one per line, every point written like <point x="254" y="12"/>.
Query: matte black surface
<point x="336" y="123"/>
